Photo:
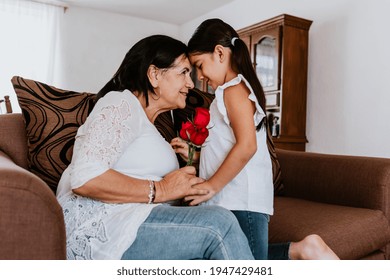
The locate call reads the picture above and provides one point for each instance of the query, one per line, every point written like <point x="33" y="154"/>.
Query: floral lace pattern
<point x="107" y="135"/>
<point x="84" y="222"/>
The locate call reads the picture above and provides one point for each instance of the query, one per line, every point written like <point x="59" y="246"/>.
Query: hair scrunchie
<point x="233" y="40"/>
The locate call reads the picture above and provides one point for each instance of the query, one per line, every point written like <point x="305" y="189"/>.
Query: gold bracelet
<point x="152" y="192"/>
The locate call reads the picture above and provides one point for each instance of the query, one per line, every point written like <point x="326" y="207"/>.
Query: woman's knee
<point x="220" y="215"/>
<point x="221" y="220"/>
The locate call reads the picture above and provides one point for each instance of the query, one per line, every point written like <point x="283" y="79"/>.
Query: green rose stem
<point x="191" y="151"/>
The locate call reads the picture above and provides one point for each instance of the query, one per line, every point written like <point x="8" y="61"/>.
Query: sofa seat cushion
<point x="351" y="232"/>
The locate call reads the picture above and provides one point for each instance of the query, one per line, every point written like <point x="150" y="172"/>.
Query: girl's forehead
<point x="195" y="57"/>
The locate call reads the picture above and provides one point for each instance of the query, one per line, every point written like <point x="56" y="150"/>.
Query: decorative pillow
<point x="52" y="117"/>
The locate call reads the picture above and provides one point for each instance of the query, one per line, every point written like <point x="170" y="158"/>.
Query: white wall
<point x="94" y="43"/>
<point x="349" y="68"/>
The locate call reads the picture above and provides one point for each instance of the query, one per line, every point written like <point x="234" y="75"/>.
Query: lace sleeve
<point x="101" y="141"/>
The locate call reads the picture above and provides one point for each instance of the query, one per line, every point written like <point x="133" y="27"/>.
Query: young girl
<point x="235" y="160"/>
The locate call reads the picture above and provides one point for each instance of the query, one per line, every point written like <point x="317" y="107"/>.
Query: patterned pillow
<point x="52" y="117"/>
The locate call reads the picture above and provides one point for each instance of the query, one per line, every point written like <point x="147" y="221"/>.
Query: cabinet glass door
<point x="266" y="56"/>
<point x="266" y="62"/>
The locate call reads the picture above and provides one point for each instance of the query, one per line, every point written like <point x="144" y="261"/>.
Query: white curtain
<point x="28" y="43"/>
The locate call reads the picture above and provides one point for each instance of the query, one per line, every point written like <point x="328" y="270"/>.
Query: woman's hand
<point x="179" y="184"/>
<point x="197" y="199"/>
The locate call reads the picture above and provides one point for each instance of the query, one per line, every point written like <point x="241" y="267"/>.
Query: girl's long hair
<point x="214" y="32"/>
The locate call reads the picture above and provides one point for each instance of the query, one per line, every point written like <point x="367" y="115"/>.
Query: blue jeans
<point x="200" y="232"/>
<point x="255" y="227"/>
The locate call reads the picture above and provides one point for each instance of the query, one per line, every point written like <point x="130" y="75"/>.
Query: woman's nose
<point x="190" y="83"/>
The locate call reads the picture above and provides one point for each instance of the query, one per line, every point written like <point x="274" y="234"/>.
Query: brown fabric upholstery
<point x="353" y="181"/>
<point x="343" y="180"/>
<point x="351" y="232"/>
<point x="15" y="146"/>
<point x="31" y="221"/>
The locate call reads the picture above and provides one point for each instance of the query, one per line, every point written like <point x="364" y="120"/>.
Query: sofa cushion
<point x="52" y="117"/>
<point x="351" y="232"/>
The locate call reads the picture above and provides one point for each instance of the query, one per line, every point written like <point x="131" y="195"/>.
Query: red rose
<point x="187" y="128"/>
<point x="202" y="117"/>
<point x="199" y="136"/>
<point x="195" y="132"/>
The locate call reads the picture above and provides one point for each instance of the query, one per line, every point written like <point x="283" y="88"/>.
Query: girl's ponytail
<point x="242" y="61"/>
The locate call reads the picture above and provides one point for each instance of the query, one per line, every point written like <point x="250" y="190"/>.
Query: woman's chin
<point x="182" y="106"/>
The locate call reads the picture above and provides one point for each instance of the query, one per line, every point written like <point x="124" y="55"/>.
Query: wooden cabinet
<point x="279" y="51"/>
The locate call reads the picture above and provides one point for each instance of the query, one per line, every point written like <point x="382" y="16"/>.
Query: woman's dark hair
<point x="214" y="32"/>
<point x="158" y="50"/>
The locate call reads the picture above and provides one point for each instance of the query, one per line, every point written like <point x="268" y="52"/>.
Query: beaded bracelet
<point x="152" y="192"/>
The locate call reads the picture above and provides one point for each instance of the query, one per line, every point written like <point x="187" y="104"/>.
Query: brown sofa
<point x="344" y="199"/>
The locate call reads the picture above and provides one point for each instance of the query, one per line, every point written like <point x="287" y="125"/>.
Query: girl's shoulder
<point x="233" y="82"/>
<point x="237" y="89"/>
<point x="237" y="85"/>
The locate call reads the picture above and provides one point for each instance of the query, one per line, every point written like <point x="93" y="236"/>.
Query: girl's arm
<point x="240" y="111"/>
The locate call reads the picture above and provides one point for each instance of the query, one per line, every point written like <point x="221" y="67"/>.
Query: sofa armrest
<point x="31" y="221"/>
<point x="13" y="139"/>
<point x="336" y="179"/>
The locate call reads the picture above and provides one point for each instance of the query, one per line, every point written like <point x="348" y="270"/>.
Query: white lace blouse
<point x="252" y="188"/>
<point x="116" y="135"/>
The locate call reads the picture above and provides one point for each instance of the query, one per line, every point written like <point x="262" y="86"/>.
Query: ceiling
<point x="170" y="11"/>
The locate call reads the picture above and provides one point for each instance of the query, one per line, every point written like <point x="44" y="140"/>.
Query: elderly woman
<point x="122" y="171"/>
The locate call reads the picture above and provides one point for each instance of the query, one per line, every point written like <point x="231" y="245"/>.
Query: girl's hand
<point x="180" y="147"/>
<point x="178" y="184"/>
<point x="197" y="199"/>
